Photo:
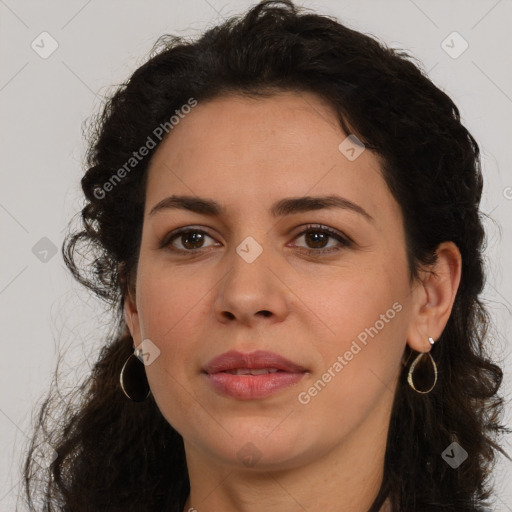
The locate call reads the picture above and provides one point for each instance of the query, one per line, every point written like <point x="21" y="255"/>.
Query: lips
<point x="258" y="360"/>
<point x="252" y="375"/>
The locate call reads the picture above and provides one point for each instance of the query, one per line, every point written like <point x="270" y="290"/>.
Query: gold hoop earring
<point x="413" y="367"/>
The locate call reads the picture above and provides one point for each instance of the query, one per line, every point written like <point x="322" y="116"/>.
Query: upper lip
<point x="233" y="360"/>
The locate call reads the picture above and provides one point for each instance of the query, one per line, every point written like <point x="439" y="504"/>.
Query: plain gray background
<point x="44" y="102"/>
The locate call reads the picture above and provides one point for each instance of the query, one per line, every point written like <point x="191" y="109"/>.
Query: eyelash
<point x="344" y="240"/>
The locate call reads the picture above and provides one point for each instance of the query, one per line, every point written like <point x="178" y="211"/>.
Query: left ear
<point x="434" y="296"/>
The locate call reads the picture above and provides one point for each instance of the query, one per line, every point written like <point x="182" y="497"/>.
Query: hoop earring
<point x="133" y="380"/>
<point x="413" y="366"/>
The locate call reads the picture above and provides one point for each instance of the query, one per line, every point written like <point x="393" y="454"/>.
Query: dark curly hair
<point x="431" y="164"/>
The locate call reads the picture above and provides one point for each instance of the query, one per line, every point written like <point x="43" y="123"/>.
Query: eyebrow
<point x="287" y="206"/>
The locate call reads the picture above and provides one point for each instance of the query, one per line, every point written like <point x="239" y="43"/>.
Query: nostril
<point x="231" y="316"/>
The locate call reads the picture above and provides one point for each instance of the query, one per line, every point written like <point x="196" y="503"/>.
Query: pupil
<point x="317" y="237"/>
<point x="196" y="237"/>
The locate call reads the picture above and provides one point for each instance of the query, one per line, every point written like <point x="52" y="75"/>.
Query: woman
<point x="284" y="216"/>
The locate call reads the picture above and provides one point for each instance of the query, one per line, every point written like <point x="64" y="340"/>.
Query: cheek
<point x="359" y="369"/>
<point x="169" y="303"/>
<point x="361" y="352"/>
<point x="357" y="301"/>
<point x="171" y="322"/>
<point x="170" y="309"/>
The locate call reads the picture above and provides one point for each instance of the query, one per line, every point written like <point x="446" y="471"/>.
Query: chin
<point x="259" y="445"/>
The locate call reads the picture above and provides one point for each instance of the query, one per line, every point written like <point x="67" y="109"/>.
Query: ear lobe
<point x="435" y="297"/>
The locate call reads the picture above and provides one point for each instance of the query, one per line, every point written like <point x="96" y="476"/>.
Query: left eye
<point x="193" y="240"/>
<point x="318" y="236"/>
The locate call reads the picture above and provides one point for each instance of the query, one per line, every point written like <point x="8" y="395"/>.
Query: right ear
<point x="131" y="314"/>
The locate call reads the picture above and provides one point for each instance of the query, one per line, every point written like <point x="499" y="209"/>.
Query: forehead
<point x="249" y="149"/>
<point x="235" y="123"/>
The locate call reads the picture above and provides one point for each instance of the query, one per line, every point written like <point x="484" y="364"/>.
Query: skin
<point x="246" y="154"/>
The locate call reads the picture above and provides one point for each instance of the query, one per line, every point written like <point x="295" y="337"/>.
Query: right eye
<point x="191" y="239"/>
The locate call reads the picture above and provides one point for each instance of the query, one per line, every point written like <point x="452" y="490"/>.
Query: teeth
<point x="252" y="371"/>
<point x="240" y="371"/>
<point x="261" y="371"/>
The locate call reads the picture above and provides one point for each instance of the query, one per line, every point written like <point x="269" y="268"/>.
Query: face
<point x="325" y="288"/>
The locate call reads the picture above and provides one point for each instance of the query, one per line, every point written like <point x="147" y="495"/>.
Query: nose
<point x="252" y="291"/>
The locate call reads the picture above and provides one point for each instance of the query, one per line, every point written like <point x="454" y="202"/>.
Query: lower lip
<point x="250" y="387"/>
